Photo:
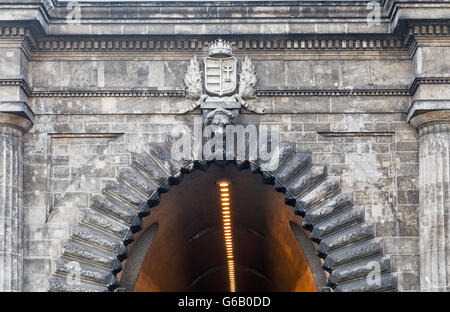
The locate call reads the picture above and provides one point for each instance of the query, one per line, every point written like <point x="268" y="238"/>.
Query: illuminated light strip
<point x="226" y="217"/>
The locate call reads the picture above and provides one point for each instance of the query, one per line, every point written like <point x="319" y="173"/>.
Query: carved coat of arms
<point x="224" y="91"/>
<point x="220" y="75"/>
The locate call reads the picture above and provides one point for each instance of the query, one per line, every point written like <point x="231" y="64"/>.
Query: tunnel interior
<point x="182" y="246"/>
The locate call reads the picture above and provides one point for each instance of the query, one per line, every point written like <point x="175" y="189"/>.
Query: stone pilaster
<point x="434" y="197"/>
<point x="15" y="119"/>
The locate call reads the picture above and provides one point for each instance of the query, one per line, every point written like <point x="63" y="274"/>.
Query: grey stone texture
<point x="434" y="198"/>
<point x="12" y="127"/>
<point x="158" y="167"/>
<point x="367" y="104"/>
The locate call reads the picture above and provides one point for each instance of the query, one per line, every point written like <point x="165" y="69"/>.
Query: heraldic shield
<point x="220" y="75"/>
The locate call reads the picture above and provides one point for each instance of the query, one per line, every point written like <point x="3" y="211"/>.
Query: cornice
<point x="268" y="43"/>
<point x="261" y="91"/>
<point x="19" y="82"/>
<point x="429" y="29"/>
<point x="416" y="33"/>
<point x="150" y="92"/>
<point x="24" y="33"/>
<point x="267" y="91"/>
<point x="427" y="81"/>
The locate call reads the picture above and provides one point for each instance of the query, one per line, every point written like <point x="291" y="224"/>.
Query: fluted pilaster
<point x="434" y="197"/>
<point x="12" y="128"/>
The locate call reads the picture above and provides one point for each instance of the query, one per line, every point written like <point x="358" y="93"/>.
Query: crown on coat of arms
<point x="220" y="47"/>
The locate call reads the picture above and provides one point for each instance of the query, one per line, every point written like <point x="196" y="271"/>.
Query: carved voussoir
<point x="76" y="271"/>
<point x="106" y="224"/>
<point x="386" y="282"/>
<point x="353" y="253"/>
<point x="83" y="253"/>
<point x="305" y="180"/>
<point x="320" y="192"/>
<point x="370" y="268"/>
<point x="326" y="208"/>
<point x="292" y="167"/>
<point x="149" y="167"/>
<point x="62" y="284"/>
<point x="353" y="234"/>
<point x="137" y="181"/>
<point x="128" y="215"/>
<point x="99" y="239"/>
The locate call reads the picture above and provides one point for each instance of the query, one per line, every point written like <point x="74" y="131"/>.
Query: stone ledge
<point x="423" y="112"/>
<point x="17" y="108"/>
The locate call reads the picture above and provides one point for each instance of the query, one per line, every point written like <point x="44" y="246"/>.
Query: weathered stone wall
<point x="14" y="121"/>
<point x="376" y="155"/>
<point x="434" y="188"/>
<point x="341" y="89"/>
<point x="11" y="209"/>
<point x="365" y="139"/>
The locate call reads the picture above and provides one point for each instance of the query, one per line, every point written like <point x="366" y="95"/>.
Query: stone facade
<point x="83" y="88"/>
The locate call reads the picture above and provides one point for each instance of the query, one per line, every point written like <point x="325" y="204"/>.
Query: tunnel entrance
<point x="182" y="246"/>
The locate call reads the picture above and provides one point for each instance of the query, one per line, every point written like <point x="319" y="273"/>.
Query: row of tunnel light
<point x="226" y="217"/>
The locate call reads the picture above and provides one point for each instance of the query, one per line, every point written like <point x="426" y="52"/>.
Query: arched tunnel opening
<point x="182" y="247"/>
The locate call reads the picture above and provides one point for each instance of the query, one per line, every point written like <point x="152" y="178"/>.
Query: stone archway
<point x="352" y="254"/>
